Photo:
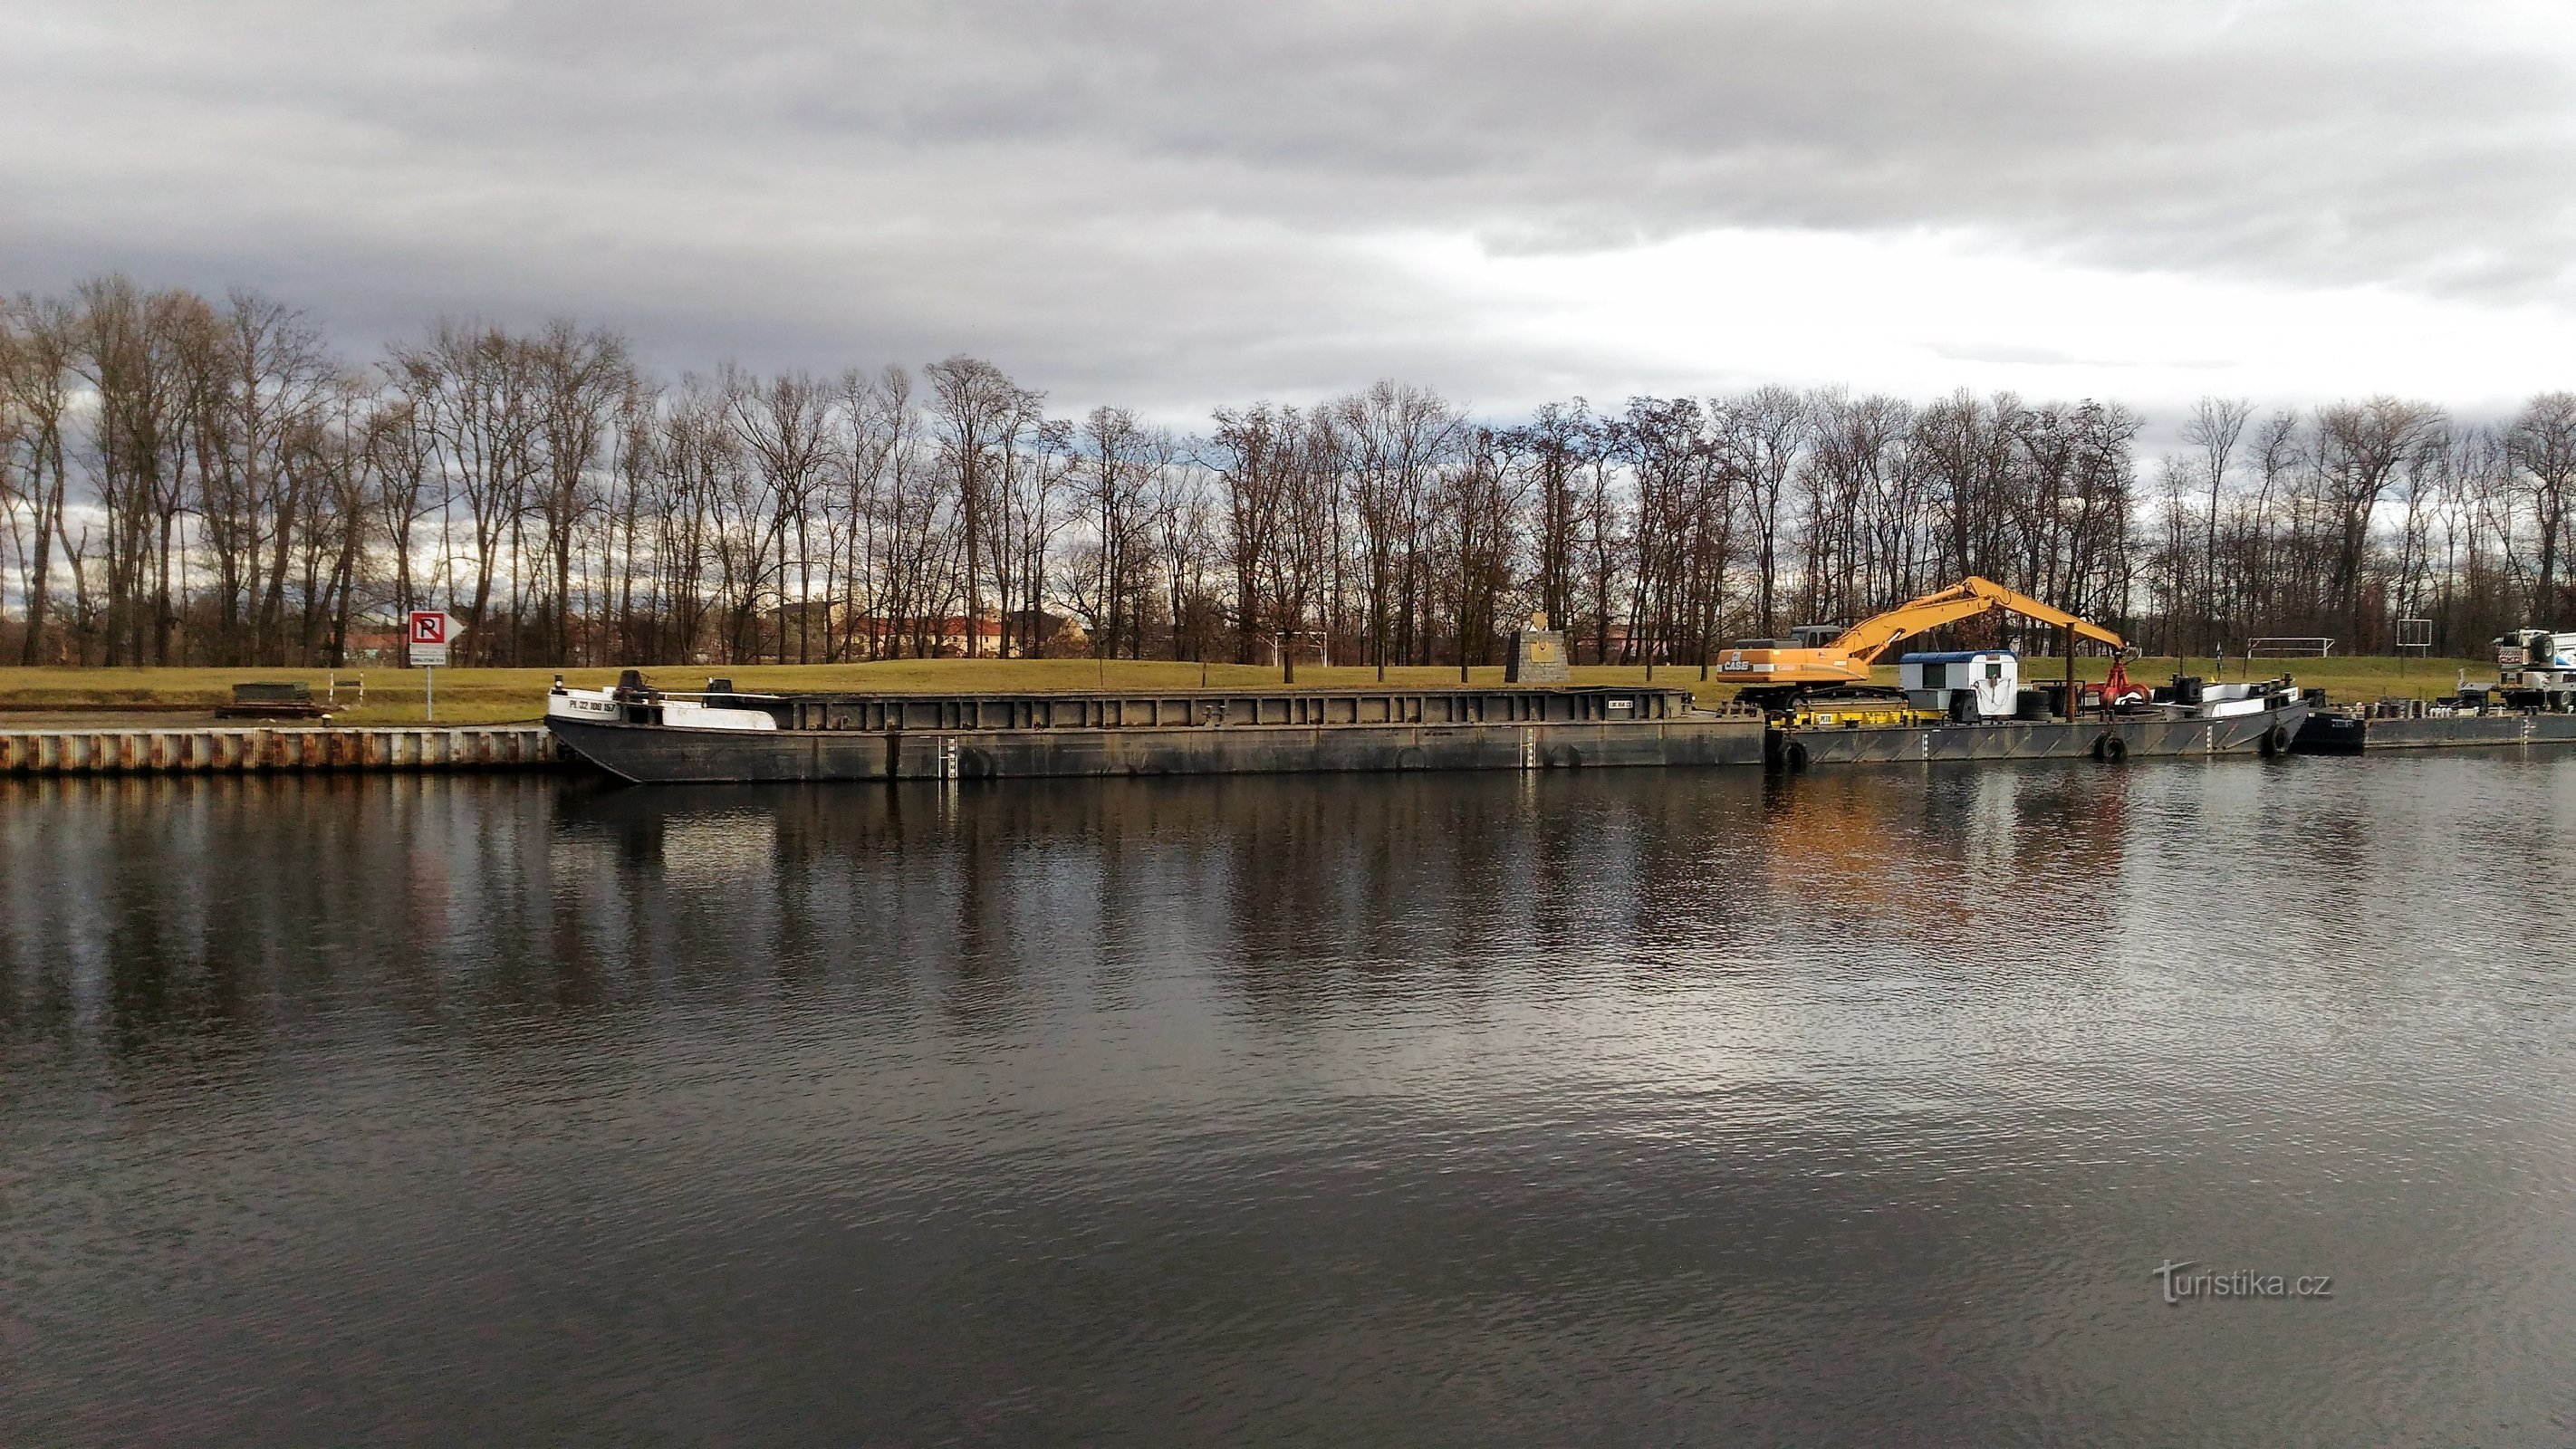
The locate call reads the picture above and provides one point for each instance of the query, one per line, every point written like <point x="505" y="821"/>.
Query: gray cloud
<point x="1169" y="202"/>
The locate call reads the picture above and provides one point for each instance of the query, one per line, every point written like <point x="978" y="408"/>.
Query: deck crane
<point x="1824" y="659"/>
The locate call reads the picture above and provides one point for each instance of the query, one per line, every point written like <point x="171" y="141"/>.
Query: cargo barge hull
<point x="891" y="738"/>
<point x="654" y="754"/>
<point x="2267" y="732"/>
<point x="2344" y="734"/>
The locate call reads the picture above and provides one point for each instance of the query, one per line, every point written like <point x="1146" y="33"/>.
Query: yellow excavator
<point x="1825" y="660"/>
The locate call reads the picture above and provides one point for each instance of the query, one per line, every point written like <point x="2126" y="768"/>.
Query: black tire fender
<point x="2111" y="749"/>
<point x="1794" y="755"/>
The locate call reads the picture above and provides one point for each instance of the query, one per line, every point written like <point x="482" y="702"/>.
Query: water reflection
<point x="146" y="906"/>
<point x="1848" y="1106"/>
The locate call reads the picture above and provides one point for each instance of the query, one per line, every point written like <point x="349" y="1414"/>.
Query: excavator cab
<point x="1814" y="636"/>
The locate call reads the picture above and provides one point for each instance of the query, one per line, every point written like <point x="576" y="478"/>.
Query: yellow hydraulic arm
<point x="1848" y="658"/>
<point x="1966" y="599"/>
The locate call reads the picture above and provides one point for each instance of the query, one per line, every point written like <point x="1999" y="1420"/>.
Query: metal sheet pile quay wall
<point x="226" y="751"/>
<point x="651" y="754"/>
<point x="1226" y="709"/>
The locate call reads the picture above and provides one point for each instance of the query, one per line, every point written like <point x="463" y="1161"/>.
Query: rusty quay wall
<point x="254" y="751"/>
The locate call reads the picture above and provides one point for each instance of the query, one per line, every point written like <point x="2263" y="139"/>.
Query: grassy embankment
<point x="494" y="696"/>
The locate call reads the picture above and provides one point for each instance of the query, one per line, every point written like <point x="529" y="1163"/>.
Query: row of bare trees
<point x="184" y="480"/>
<point x="2349" y="520"/>
<point x="174" y="469"/>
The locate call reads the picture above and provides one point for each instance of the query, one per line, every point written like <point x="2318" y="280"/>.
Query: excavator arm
<point x="1865" y="641"/>
<point x="1772" y="675"/>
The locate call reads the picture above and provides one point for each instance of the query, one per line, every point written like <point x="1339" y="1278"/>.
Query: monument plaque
<point x="1538" y="655"/>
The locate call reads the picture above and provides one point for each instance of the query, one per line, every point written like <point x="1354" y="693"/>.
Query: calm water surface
<point x="1609" y="1107"/>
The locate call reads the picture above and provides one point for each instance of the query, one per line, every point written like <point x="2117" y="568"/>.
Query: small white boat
<point x="2190" y="697"/>
<point x="718" y="707"/>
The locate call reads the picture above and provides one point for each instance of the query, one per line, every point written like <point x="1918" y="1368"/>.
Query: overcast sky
<point x="1180" y="205"/>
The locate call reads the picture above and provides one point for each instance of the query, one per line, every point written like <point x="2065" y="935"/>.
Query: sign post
<point x="427" y="632"/>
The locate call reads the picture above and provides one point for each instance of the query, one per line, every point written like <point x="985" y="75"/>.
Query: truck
<point x="2535" y="669"/>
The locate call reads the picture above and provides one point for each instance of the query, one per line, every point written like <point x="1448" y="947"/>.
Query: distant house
<point x="1058" y="636"/>
<point x="885" y="637"/>
<point x="372" y="646"/>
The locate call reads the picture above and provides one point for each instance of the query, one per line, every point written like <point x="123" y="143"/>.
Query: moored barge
<point x="2109" y="740"/>
<point x="2356" y="732"/>
<point x="722" y="735"/>
<point x="1968" y="705"/>
<point x="2532" y="700"/>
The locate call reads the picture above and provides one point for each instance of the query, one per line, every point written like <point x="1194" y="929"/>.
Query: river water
<point x="1609" y="1107"/>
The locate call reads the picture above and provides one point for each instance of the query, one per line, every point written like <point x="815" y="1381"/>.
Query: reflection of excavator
<point x="1825" y="659"/>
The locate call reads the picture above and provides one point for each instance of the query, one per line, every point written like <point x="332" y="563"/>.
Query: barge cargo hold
<point x="2339" y="733"/>
<point x="720" y="735"/>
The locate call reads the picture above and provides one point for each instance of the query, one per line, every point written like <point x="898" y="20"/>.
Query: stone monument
<point x="1538" y="655"/>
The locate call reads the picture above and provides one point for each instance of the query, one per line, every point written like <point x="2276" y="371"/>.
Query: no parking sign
<point x="427" y="632"/>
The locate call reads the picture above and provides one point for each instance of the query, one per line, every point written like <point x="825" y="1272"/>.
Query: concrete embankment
<point x="256" y="750"/>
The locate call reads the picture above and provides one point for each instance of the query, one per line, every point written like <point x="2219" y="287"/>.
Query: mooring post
<point x="2072" y="697"/>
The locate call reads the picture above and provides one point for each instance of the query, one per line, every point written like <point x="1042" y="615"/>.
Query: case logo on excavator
<point x="1736" y="663"/>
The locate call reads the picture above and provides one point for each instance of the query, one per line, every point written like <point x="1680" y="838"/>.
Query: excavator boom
<point x="1966" y="599"/>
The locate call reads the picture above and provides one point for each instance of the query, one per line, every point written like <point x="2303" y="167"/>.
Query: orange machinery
<point x="1773" y="675"/>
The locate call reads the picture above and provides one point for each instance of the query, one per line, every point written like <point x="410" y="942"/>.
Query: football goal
<point x="2289" y="648"/>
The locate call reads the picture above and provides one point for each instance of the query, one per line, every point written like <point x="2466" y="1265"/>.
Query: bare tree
<point x="1393" y="437"/>
<point x="1120" y="458"/>
<point x="1553" y="449"/>
<point x="2213" y="428"/>
<point x="1766" y="433"/>
<point x="981" y="414"/>
<point x="1255" y="457"/>
<point x="1480" y="507"/>
<point x="578" y="380"/>
<point x="2543" y="452"/>
<point x="785" y="427"/>
<point x="36" y="350"/>
<point x="469" y="390"/>
<point x="2361" y="450"/>
<point x="1185" y="539"/>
